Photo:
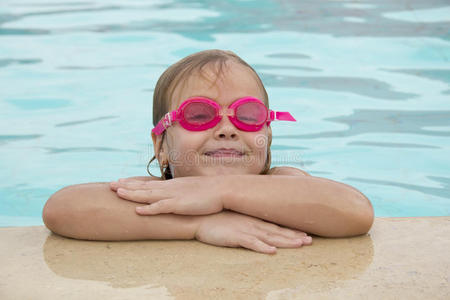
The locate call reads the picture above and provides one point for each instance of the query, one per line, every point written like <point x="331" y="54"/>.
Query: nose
<point x="225" y="129"/>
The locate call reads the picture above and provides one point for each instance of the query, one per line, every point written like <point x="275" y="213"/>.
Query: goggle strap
<point x="281" y="116"/>
<point x="165" y="122"/>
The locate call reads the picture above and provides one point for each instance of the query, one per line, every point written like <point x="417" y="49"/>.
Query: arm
<point x="93" y="212"/>
<point x="316" y="205"/>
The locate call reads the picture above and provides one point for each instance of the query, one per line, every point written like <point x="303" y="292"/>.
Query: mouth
<point x="224" y="153"/>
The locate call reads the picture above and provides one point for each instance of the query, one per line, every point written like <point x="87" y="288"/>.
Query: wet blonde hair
<point x="179" y="72"/>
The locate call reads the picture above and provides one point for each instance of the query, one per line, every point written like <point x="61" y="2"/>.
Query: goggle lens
<point x="198" y="113"/>
<point x="251" y="113"/>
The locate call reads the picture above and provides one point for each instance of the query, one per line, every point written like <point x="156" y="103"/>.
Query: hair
<point x="179" y="73"/>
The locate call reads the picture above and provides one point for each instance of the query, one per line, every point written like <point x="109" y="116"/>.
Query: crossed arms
<point x="288" y="197"/>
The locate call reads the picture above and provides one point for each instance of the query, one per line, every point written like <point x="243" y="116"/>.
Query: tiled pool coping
<point x="401" y="258"/>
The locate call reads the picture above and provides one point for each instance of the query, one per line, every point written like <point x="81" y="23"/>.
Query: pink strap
<point x="165" y="122"/>
<point x="284" y="116"/>
<point x="281" y="116"/>
<point x="159" y="128"/>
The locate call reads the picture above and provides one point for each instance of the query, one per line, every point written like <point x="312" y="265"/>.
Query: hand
<point x="184" y="195"/>
<point x="134" y="178"/>
<point x="232" y="229"/>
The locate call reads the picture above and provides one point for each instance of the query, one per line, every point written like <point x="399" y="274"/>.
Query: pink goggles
<point x="196" y="114"/>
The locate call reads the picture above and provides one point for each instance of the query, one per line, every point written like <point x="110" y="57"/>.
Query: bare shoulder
<point x="284" y="170"/>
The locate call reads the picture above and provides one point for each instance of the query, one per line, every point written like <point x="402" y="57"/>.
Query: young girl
<point x="212" y="140"/>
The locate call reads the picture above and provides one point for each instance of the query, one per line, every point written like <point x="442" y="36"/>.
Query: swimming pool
<point x="368" y="82"/>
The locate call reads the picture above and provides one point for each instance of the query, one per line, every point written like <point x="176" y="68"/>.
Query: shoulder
<point x="287" y="171"/>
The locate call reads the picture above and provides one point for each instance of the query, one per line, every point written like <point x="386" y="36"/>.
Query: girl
<point x="212" y="140"/>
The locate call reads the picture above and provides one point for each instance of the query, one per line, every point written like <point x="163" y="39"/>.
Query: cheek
<point x="260" y="140"/>
<point x="185" y="147"/>
<point x="259" y="144"/>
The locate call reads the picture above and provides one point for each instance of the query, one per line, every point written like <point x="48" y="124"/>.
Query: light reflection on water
<point x="368" y="83"/>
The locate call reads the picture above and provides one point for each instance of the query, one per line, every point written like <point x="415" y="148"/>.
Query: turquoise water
<point x="368" y="81"/>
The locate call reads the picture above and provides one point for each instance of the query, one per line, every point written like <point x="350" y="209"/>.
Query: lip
<point x="224" y="152"/>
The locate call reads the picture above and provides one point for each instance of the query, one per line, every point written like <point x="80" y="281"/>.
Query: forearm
<point x="316" y="205"/>
<point x="94" y="212"/>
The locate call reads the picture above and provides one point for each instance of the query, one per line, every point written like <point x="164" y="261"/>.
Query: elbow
<point x="369" y="217"/>
<point x="51" y="214"/>
<point x="356" y="219"/>
<point x="54" y="213"/>
<point x="362" y="217"/>
<point x="363" y="223"/>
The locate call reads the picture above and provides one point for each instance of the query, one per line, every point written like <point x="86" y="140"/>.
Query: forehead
<point x="234" y="82"/>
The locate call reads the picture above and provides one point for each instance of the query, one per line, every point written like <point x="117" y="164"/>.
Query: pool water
<point x="368" y="82"/>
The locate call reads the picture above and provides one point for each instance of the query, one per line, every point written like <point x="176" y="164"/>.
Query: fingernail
<point x="114" y="183"/>
<point x="307" y="239"/>
<point x="121" y="191"/>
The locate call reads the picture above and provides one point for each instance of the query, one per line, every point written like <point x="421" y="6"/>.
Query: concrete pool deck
<point x="400" y="258"/>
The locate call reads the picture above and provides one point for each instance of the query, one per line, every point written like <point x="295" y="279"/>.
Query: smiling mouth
<point x="225" y="153"/>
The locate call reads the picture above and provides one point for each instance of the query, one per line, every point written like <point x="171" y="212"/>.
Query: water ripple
<point x="324" y="17"/>
<point x="392" y="145"/>
<point x="443" y="192"/>
<point x="53" y="150"/>
<point x="53" y="4"/>
<point x="361" y="86"/>
<point x="289" y="56"/>
<point x="290" y="67"/>
<point x="37" y="104"/>
<point x="442" y="75"/>
<point x="12" y="31"/>
<point x="9" y="138"/>
<point x="88" y="68"/>
<point x="391" y="121"/>
<point x="85" y="121"/>
<point x="287" y="147"/>
<point x="11" y="61"/>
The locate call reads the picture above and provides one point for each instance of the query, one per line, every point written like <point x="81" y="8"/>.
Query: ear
<point x="159" y="148"/>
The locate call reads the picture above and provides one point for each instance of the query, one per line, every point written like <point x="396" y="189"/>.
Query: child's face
<point x="185" y="150"/>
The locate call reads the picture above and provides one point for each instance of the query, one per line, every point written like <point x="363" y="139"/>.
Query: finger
<point x="141" y="196"/>
<point x="275" y="229"/>
<point x="279" y="240"/>
<point x="131" y="185"/>
<point x="113" y="186"/>
<point x="161" y="207"/>
<point x="253" y="243"/>
<point x="307" y="240"/>
<point x="287" y="237"/>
